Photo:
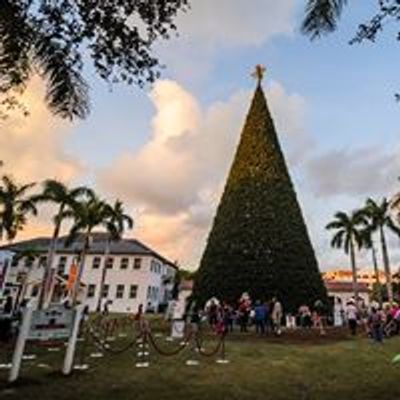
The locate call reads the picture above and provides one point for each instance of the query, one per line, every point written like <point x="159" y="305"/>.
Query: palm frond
<point x="334" y="225"/>
<point x="360" y="239"/>
<point x="67" y="92"/>
<point x="321" y="17"/>
<point x="347" y="244"/>
<point x="28" y="207"/>
<point x="393" y="227"/>
<point x="337" y="239"/>
<point x="53" y="190"/>
<point x="81" y="191"/>
<point x="74" y="232"/>
<point x="15" y="39"/>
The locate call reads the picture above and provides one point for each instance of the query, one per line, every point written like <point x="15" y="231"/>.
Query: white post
<point x="20" y="345"/>
<point x="69" y="354"/>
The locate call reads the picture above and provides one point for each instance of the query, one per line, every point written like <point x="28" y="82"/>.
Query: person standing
<point x="260" y="316"/>
<point x="375" y="321"/>
<point x="243" y="315"/>
<point x="318" y="316"/>
<point x="212" y="313"/>
<point x="277" y="313"/>
<point x="351" y="314"/>
<point x="228" y="317"/>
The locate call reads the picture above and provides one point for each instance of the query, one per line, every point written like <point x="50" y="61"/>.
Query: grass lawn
<point x="264" y="369"/>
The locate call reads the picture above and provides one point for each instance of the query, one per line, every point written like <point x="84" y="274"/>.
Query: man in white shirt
<point x="351" y="314"/>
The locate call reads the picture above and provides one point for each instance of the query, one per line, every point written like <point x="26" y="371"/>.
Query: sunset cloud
<point x="32" y="148"/>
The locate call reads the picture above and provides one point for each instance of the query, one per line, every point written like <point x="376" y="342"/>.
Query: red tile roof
<point x="332" y="286"/>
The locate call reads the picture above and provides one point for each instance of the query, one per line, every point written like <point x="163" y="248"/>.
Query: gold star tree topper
<point x="258" y="73"/>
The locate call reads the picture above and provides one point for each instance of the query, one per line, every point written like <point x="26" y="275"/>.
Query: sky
<point x="166" y="150"/>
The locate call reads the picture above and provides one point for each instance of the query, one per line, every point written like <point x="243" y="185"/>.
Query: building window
<point x="133" y="291"/>
<point x="91" y="291"/>
<point x="155" y="267"/>
<point x="106" y="289"/>
<point x="109" y="262"/>
<point x="152" y="293"/>
<point x="124" y="263"/>
<point x="96" y="262"/>
<point x="28" y="262"/>
<point x="35" y="291"/>
<point x="62" y="262"/>
<point x="120" y="291"/>
<point x="137" y="263"/>
<point x="42" y="261"/>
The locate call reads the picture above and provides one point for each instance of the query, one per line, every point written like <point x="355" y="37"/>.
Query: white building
<point x="345" y="291"/>
<point x="135" y="274"/>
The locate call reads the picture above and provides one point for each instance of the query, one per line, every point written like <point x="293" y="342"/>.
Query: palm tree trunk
<point x="376" y="270"/>
<point x="103" y="275"/>
<point x="81" y="267"/>
<point x="48" y="279"/>
<point x="354" y="270"/>
<point x="386" y="265"/>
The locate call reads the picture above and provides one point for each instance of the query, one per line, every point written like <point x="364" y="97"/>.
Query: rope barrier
<point x="214" y="351"/>
<point x="169" y="353"/>
<point x="102" y="344"/>
<point x="99" y="329"/>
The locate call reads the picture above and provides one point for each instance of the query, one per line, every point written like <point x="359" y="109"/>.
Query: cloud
<point x="211" y="26"/>
<point x="238" y="23"/>
<point x="177" y="177"/>
<point x="367" y="171"/>
<point x="32" y="147"/>
<point x="342" y="179"/>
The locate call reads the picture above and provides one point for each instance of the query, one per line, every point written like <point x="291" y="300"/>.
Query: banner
<point x="72" y="274"/>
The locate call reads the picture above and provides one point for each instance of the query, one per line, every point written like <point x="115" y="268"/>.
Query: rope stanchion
<point x="193" y="360"/>
<point x="97" y="334"/>
<point x="142" y="353"/>
<point x="82" y="366"/>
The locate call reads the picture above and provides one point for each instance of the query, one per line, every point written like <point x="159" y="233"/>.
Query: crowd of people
<point x="269" y="317"/>
<point x="263" y="317"/>
<point x="374" y="320"/>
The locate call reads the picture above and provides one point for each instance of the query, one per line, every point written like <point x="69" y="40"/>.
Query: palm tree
<point x="87" y="215"/>
<point x="379" y="214"/>
<point x="15" y="206"/>
<point x="116" y="223"/>
<point x="65" y="198"/>
<point x="368" y="243"/>
<point x="348" y="235"/>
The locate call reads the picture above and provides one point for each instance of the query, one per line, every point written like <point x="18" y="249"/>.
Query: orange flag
<point x="72" y="273"/>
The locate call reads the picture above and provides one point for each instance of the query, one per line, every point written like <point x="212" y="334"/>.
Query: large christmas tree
<point x="259" y="241"/>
